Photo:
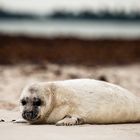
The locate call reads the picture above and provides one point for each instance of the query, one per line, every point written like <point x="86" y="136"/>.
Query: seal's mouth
<point x="35" y="120"/>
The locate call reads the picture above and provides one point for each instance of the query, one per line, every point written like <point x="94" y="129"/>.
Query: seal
<point x="79" y="101"/>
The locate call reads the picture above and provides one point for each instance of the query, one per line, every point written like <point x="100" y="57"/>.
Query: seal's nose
<point x="29" y="115"/>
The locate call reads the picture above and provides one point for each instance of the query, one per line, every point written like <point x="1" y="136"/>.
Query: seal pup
<point x="79" y="101"/>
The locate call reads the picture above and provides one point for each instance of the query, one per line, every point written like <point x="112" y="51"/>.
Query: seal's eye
<point x="37" y="103"/>
<point x="23" y="102"/>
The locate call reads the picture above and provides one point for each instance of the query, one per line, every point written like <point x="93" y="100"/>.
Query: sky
<point x="48" y="6"/>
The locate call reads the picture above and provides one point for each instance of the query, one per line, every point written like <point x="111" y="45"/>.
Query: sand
<point x="14" y="77"/>
<point x="12" y="131"/>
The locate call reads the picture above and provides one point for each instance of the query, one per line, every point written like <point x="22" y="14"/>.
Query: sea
<point x="71" y="28"/>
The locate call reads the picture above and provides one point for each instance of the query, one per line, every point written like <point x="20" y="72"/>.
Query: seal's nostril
<point x="35" y="114"/>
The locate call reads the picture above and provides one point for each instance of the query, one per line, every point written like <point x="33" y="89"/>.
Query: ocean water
<point x="68" y="28"/>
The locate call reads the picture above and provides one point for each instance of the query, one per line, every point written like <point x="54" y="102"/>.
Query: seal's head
<point x="35" y="103"/>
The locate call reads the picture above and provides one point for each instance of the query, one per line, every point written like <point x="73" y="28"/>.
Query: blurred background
<point x="44" y="40"/>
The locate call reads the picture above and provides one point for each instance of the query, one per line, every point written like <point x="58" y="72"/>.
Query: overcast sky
<point x="47" y="6"/>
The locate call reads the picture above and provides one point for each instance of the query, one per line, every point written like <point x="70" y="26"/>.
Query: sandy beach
<point x="14" y="77"/>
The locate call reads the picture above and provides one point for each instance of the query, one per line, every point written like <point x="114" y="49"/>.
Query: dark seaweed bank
<point x="83" y="15"/>
<point x="61" y="50"/>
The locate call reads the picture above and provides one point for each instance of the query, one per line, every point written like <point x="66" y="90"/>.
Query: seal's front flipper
<point x="68" y="121"/>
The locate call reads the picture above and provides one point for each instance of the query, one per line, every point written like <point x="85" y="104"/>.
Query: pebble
<point x="103" y="78"/>
<point x="2" y="120"/>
